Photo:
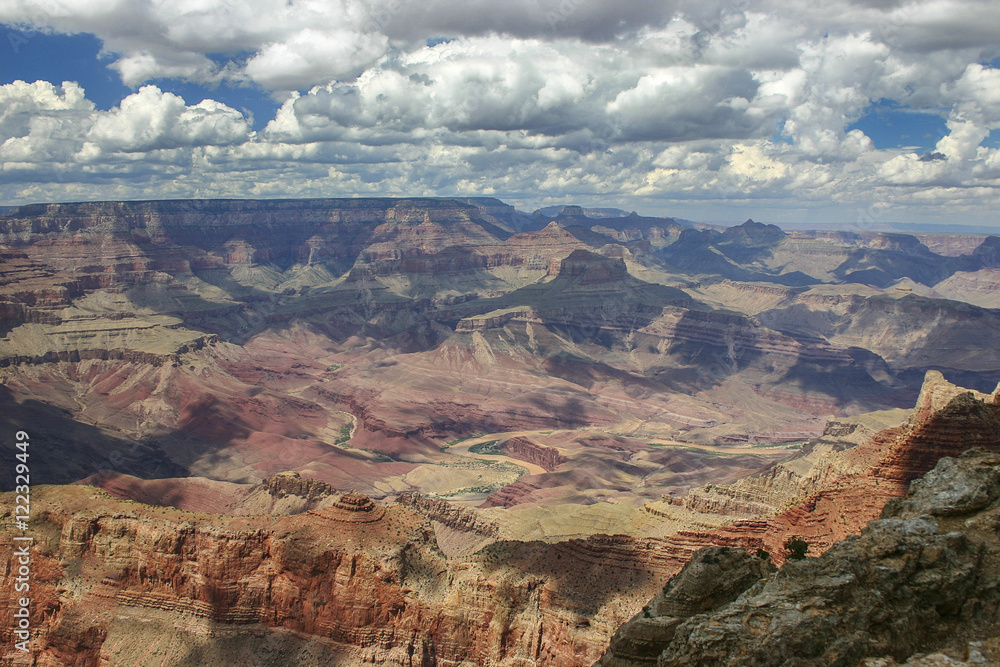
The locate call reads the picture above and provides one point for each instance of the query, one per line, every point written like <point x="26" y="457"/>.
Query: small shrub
<point x="796" y="548"/>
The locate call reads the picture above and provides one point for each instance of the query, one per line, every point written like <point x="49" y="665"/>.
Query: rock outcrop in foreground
<point x="925" y="577"/>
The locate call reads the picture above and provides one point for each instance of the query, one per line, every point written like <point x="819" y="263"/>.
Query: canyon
<point x="427" y="431"/>
<point x="336" y="577"/>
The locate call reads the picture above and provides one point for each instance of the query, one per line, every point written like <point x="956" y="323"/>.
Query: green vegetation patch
<point x="491" y="447"/>
<point x="454" y="442"/>
<point x="345" y="434"/>
<point x="466" y="463"/>
<point x="779" y="445"/>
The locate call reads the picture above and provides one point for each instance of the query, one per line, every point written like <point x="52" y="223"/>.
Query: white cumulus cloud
<point x="677" y="102"/>
<point x="41" y="123"/>
<point x="151" y="119"/>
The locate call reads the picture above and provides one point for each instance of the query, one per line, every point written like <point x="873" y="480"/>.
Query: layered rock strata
<point x="455" y="517"/>
<point x="445" y="286"/>
<point x="532" y="452"/>
<point x="365" y="578"/>
<point x="946" y="420"/>
<point x="371" y="579"/>
<point x="921" y="578"/>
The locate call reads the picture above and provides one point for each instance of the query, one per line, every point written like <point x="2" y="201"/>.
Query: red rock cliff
<point x="526" y="450"/>
<point x="366" y="579"/>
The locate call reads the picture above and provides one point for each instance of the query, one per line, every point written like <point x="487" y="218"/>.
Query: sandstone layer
<point x="363" y="580"/>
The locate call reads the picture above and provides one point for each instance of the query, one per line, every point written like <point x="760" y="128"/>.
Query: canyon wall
<point x="370" y="578"/>
<point x="921" y="578"/>
<point x="526" y="450"/>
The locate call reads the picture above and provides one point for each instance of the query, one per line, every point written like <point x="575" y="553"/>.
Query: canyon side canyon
<point x="418" y="432"/>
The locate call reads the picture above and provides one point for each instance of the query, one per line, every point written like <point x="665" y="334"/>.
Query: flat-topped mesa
<point x="572" y="210"/>
<point x="886" y="241"/>
<point x="532" y="452"/>
<point x="164" y="235"/>
<point x="591" y="268"/>
<point x="289" y="483"/>
<point x="287" y="493"/>
<point x="494" y="320"/>
<point x="153" y="339"/>
<point x="117" y="216"/>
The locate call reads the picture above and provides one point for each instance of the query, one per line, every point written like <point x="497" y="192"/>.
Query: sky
<point x="854" y="112"/>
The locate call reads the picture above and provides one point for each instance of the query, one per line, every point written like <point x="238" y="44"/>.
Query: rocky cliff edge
<point x="923" y="578"/>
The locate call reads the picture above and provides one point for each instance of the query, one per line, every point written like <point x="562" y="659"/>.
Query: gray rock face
<point x="924" y="578"/>
<point x="976" y="654"/>
<point x="953" y="487"/>
<point x="714" y="576"/>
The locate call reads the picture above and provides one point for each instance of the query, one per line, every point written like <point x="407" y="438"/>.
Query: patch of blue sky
<point x="37" y="56"/>
<point x="779" y="138"/>
<point x="892" y="125"/>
